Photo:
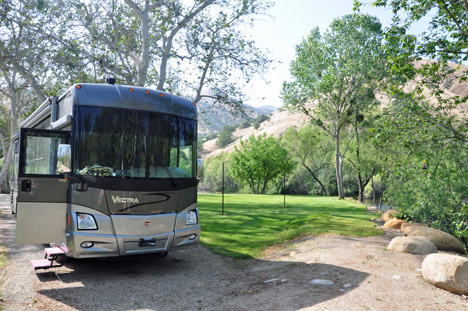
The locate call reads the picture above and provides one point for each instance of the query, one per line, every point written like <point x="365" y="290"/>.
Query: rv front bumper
<point x="89" y="245"/>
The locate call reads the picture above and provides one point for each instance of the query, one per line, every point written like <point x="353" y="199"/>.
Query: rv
<point x="107" y="170"/>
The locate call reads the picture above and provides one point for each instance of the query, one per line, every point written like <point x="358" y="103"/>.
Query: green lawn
<point x="251" y="223"/>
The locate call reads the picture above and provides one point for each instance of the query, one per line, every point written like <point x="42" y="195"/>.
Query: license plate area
<point x="142" y="245"/>
<point x="147" y="242"/>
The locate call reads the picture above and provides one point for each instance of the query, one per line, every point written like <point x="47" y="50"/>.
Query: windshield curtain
<point x="135" y="144"/>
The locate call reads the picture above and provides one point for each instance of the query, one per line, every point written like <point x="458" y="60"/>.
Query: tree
<point x="245" y="124"/>
<point x="259" y="160"/>
<point x="226" y="137"/>
<point x="426" y="123"/>
<point x="435" y="195"/>
<point x="191" y="48"/>
<point x="213" y="174"/>
<point x="444" y="43"/>
<point x="311" y="149"/>
<point x="330" y="74"/>
<point x="179" y="46"/>
<point x="26" y="63"/>
<point x="363" y="155"/>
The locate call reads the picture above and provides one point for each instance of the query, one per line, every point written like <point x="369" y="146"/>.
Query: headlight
<point x="191" y="218"/>
<point x="86" y="222"/>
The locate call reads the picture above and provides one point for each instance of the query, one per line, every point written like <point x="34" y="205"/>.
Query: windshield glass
<point x="135" y="144"/>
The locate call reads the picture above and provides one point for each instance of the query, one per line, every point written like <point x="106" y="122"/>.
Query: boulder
<point x="442" y="240"/>
<point x="419" y="245"/>
<point x="394" y="223"/>
<point x="449" y="272"/>
<point x="388" y="215"/>
<point x="409" y="224"/>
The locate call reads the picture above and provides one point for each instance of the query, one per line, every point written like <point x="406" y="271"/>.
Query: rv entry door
<point x="42" y="188"/>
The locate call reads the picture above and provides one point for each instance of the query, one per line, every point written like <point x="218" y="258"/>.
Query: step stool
<point x="51" y="255"/>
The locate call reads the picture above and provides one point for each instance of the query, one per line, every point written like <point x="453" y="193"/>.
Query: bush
<point x="224" y="139"/>
<point x="245" y="124"/>
<point x="211" y="136"/>
<point x="256" y="124"/>
<point x="262" y="118"/>
<point x="213" y="180"/>
<point x="230" y="128"/>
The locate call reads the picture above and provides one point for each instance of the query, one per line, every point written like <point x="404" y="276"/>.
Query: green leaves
<point x="336" y="74"/>
<point x="259" y="160"/>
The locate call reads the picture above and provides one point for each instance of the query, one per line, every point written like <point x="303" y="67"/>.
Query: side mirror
<point x="64" y="159"/>
<point x="199" y="169"/>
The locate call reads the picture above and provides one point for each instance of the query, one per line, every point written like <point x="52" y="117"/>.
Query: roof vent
<point x="110" y="80"/>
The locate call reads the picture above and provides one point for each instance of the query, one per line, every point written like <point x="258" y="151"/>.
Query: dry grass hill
<point x="278" y="123"/>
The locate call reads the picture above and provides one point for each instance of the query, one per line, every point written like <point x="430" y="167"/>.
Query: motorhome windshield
<point x="114" y="142"/>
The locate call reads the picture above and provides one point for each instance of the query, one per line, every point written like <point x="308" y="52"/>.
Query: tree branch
<point x="454" y="19"/>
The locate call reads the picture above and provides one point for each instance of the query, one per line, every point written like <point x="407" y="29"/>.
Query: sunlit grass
<point x="251" y="223"/>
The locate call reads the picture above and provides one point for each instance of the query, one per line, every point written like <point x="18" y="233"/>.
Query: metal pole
<point x="284" y="188"/>
<point x="222" y="213"/>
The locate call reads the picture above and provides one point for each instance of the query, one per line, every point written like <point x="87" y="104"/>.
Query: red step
<point x="41" y="263"/>
<point x="54" y="251"/>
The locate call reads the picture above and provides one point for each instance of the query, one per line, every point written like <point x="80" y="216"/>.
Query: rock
<point x="275" y="281"/>
<point x="414" y="245"/>
<point x="449" y="272"/>
<point x="396" y="277"/>
<point x="272" y="281"/>
<point x="388" y="215"/>
<point x="321" y="282"/>
<point x="394" y="223"/>
<point x="442" y="240"/>
<point x="409" y="224"/>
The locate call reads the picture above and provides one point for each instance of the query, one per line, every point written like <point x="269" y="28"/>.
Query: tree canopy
<point x="425" y="122"/>
<point x="337" y="73"/>
<point x="196" y="49"/>
<point x="259" y="160"/>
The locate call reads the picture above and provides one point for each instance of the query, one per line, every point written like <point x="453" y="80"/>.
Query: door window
<point x="39" y="151"/>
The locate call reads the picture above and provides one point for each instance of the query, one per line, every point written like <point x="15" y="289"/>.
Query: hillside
<point x="280" y="120"/>
<point x="212" y="118"/>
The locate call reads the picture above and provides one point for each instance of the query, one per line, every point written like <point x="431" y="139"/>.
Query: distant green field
<point x="251" y="223"/>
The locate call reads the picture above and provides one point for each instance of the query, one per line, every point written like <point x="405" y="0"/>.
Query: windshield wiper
<point x="117" y="179"/>
<point x="168" y="172"/>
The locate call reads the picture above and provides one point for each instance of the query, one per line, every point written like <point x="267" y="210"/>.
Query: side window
<point x="39" y="151"/>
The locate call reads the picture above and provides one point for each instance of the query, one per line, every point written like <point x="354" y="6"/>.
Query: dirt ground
<point x="363" y="275"/>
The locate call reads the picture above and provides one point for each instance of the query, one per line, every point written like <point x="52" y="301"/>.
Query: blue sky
<point x="292" y="20"/>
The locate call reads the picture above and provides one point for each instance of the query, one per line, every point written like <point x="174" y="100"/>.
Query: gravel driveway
<point x="361" y="274"/>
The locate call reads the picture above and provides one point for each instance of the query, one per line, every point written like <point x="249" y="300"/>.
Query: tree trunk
<point x="4" y="185"/>
<point x="324" y="191"/>
<point x="361" y="187"/>
<point x="144" y="57"/>
<point x="339" y="166"/>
